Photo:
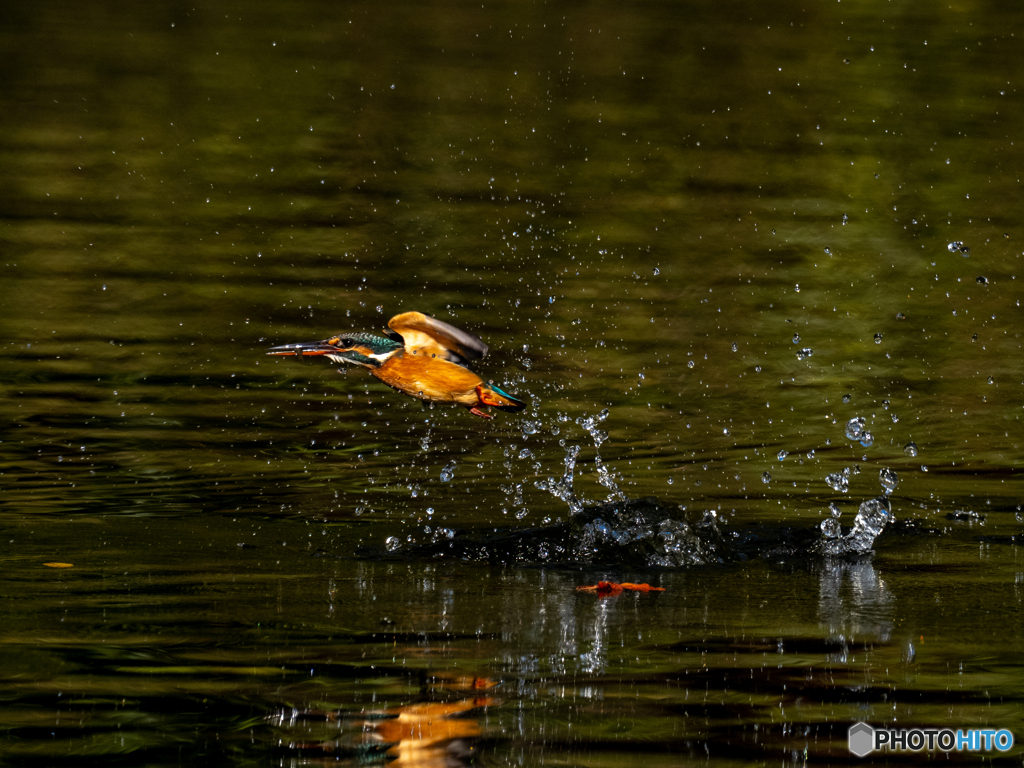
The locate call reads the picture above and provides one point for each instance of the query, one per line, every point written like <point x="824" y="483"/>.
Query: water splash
<point x="605" y="476"/>
<point x="870" y="522"/>
<point x="562" y="487"/>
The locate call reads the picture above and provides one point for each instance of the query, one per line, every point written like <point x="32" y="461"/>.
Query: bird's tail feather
<point x="491" y="395"/>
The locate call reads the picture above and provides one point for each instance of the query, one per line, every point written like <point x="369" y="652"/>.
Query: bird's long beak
<point x="304" y="349"/>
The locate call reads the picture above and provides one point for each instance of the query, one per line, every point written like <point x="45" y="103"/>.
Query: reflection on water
<point x="425" y="735"/>
<point x="853" y="600"/>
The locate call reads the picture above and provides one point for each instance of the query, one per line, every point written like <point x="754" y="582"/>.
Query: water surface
<point x="728" y="226"/>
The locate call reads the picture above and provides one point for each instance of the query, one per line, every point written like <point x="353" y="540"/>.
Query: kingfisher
<point x="419" y="356"/>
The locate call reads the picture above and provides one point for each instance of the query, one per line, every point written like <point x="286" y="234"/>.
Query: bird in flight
<point x="420" y="356"/>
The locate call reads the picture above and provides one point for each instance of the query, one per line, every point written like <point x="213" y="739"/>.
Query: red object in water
<point x="604" y="588"/>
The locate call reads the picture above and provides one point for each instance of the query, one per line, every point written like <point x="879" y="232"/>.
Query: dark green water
<point x="654" y="209"/>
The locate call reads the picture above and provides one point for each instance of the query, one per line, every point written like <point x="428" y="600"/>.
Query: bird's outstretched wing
<point x="423" y="334"/>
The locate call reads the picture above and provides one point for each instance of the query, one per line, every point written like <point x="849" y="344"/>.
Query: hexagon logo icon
<point x="861" y="737"/>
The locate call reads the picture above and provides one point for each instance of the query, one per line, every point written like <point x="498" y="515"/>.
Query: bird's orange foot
<point x="477" y="412"/>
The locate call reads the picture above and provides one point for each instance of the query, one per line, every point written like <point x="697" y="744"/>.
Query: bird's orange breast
<point x="429" y="378"/>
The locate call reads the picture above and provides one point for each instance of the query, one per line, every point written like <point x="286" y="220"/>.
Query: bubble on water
<point x="910" y="449"/>
<point x="855" y="428"/>
<point x="981" y="279"/>
<point x="448" y="472"/>
<point x="803" y="354"/>
<point x="735" y="347"/>
<point x="392" y="544"/>
<point x="766" y="477"/>
<point x="878" y="338"/>
<point x="782" y="455"/>
<point x="796" y="338"/>
<point x="887" y="477"/>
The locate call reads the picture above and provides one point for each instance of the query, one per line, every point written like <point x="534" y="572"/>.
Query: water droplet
<point x="847" y="398"/>
<point x="895" y="419"/>
<point x="656" y="271"/>
<point x="888" y="479"/>
<point x="690" y="364"/>
<point x="796" y="338"/>
<point x="991" y="380"/>
<point x="448" y="472"/>
<point x="526" y="453"/>
<point x="855" y="428"/>
<point x="900" y="316"/>
<point x="867" y="440"/>
<point x="803" y="354"/>
<point x="830" y="528"/>
<point x="735" y="347"/>
<point x="878" y="338"/>
<point x="965" y="251"/>
<point x="839" y="481"/>
<point x="797" y="289"/>
<point x="910" y="449"/>
<point x="392" y="543"/>
<point x="782" y="455"/>
<point x="829" y="252"/>
<point x="766" y="477"/>
<point x="670" y="481"/>
<point x="551" y="299"/>
<point x="981" y="279"/>
<point x="954" y="246"/>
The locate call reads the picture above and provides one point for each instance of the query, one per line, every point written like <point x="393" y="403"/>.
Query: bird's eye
<point x="346" y="343"/>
